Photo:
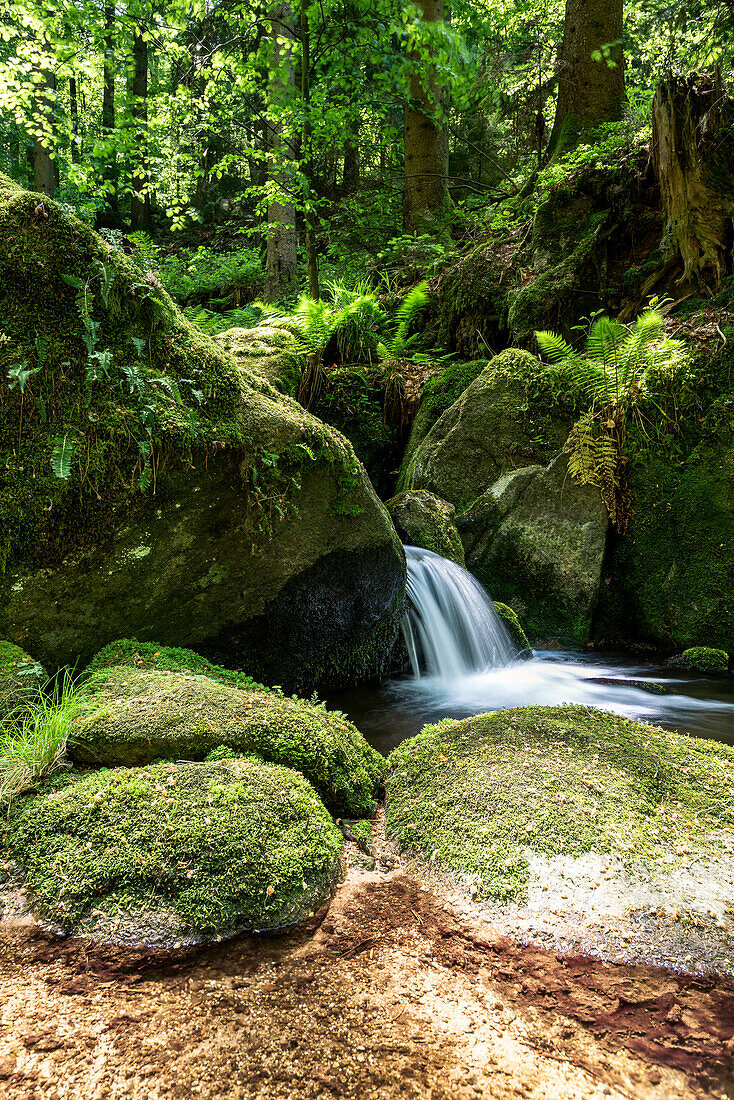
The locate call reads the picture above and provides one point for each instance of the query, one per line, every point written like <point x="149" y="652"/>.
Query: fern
<point x="62" y="454"/>
<point x="610" y="373"/>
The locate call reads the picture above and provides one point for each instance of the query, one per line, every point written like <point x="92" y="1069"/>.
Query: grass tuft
<point x="33" y="740"/>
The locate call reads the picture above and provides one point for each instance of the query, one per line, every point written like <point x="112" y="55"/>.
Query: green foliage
<point x="610" y="373"/>
<point x="228" y="279"/>
<point x="34" y="739"/>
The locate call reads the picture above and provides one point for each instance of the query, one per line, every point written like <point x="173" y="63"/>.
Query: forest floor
<point x="390" y="993"/>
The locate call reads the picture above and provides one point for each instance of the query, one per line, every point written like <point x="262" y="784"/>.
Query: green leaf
<point x="62" y="454"/>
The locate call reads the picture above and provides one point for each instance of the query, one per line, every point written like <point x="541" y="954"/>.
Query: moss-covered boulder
<point x="133" y="716"/>
<point x="439" y="394"/>
<point x="702" y="658"/>
<point x="148" y="655"/>
<point x="20" y="678"/>
<point x="171" y="851"/>
<point x="153" y="488"/>
<point x="423" y="519"/>
<point x="513" y="624"/>
<point x="490" y="429"/>
<point x="481" y="796"/>
<point x="537" y="541"/>
<point x="672" y="578"/>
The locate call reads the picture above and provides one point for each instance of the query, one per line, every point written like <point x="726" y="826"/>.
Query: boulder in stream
<point x="423" y="519"/>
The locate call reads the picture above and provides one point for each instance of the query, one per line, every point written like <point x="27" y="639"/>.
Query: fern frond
<point x="554" y="347"/>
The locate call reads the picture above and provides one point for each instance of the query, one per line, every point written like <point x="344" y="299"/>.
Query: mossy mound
<point x="477" y="796"/>
<point x="134" y="716"/>
<point x="515" y="413"/>
<point x="153" y="488"/>
<point x="134" y="654"/>
<point x="518" y="635"/>
<point x="702" y="658"/>
<point x="20" y="678"/>
<point x="176" y="849"/>
<point x="423" y="519"/>
<point x="266" y="351"/>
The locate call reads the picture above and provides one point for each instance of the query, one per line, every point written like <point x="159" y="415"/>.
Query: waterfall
<point x="451" y="627"/>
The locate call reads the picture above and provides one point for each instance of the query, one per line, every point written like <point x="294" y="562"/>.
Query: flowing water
<point x="461" y="660"/>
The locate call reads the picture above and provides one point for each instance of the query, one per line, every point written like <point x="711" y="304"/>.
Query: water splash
<point x="451" y="627"/>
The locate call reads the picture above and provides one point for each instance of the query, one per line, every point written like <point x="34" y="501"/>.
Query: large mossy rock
<point x="21" y="678"/>
<point x="162" y="853"/>
<point x="439" y="394"/>
<point x="188" y="501"/>
<point x="266" y="350"/>
<point x="134" y="716"/>
<point x="480" y="796"/>
<point x="536" y="540"/>
<point x="672" y="575"/>
<point x="487" y="431"/>
<point x="422" y="519"/>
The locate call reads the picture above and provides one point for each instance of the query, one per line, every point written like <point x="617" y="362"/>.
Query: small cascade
<point x="451" y="627"/>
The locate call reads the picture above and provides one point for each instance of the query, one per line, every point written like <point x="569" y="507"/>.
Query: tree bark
<point x="44" y="174"/>
<point x="310" y="215"/>
<point x="693" y="154"/>
<point x="425" y="193"/>
<point x="140" y="203"/>
<point x="281" y="275"/>
<point x="108" y="112"/>
<point x="76" y="152"/>
<point x="591" y="77"/>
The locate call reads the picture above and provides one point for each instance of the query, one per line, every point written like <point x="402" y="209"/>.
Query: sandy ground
<point x="388" y="993"/>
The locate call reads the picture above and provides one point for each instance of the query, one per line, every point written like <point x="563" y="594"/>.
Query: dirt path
<point x="391" y="994"/>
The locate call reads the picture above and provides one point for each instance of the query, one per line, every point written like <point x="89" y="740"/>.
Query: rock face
<point x="672" y="580"/>
<point x="135" y="716"/>
<point x="536" y="539"/>
<point x="20" y="678"/>
<point x="190" y="502"/>
<point x="487" y="797"/>
<point x="422" y="519"/>
<point x="174" y="851"/>
<point x="482" y="435"/>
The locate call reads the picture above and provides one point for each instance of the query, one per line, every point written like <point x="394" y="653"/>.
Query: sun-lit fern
<point x="610" y="374"/>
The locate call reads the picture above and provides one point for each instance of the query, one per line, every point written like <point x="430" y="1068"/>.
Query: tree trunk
<point x="693" y="154"/>
<point x="310" y="215"/>
<point x="108" y="113"/>
<point x="140" y="203"/>
<point x="44" y="175"/>
<point x="425" y="194"/>
<point x="74" y="121"/>
<point x="591" y="77"/>
<point x="281" y="276"/>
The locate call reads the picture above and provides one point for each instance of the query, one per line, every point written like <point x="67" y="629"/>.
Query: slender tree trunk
<point x="425" y="194"/>
<point x="351" y="159"/>
<point x="281" y="277"/>
<point x="74" y="120"/>
<point x="14" y="150"/>
<point x="108" y="110"/>
<point x="693" y="154"/>
<point x="591" y="78"/>
<point x="140" y="203"/>
<point x="310" y="216"/>
<point x="44" y="175"/>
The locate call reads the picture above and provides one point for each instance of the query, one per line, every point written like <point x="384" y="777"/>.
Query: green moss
<point x="133" y="716"/>
<point x="477" y="796"/>
<point x="165" y="395"/>
<point x="422" y="519"/>
<point x="514" y="626"/>
<point x="702" y="658"/>
<point x="225" y="847"/>
<point x="360" y="832"/>
<point x="439" y="394"/>
<point x="135" y="654"/>
<point x="20" y="678"/>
